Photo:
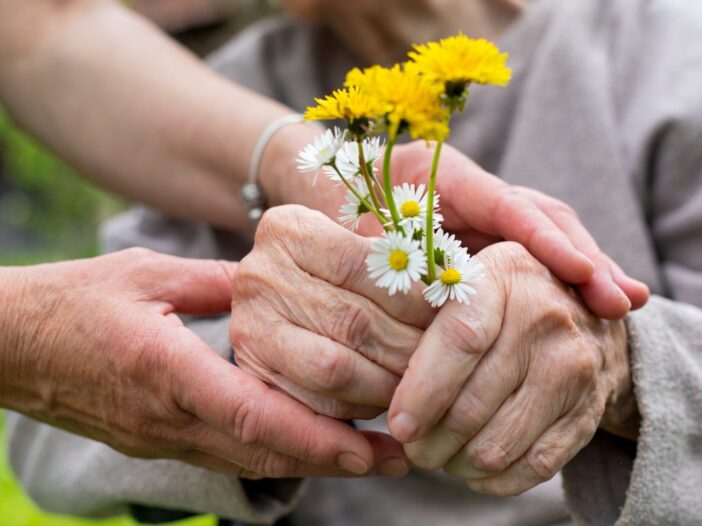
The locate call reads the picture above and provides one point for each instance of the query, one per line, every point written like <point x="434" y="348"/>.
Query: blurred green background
<point x="48" y="213"/>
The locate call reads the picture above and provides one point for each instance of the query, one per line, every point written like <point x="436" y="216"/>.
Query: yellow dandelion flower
<point x="460" y="60"/>
<point x="352" y="104"/>
<point x="412" y="101"/>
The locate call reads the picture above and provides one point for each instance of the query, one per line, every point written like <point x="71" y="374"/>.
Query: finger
<point x="357" y="323"/>
<point x="337" y="314"/>
<point x="329" y="252"/>
<point x="552" y="450"/>
<point x="243" y="408"/>
<point x="324" y="366"/>
<point x="637" y="291"/>
<point x="602" y="294"/>
<point x="447" y="354"/>
<point x="192" y="286"/>
<point x="253" y="462"/>
<point x="498" y="209"/>
<point x="517" y="424"/>
<point x="319" y="403"/>
<point x="495" y="378"/>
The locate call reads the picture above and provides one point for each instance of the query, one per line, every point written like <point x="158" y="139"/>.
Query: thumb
<point x="195" y="286"/>
<point x="446" y="356"/>
<point x="252" y="414"/>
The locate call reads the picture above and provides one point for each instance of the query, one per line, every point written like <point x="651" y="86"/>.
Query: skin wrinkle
<point x="243" y="353"/>
<point x="317" y="319"/>
<point x="145" y="306"/>
<point x="562" y="345"/>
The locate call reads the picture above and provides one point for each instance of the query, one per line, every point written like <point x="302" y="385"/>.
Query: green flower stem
<point x="375" y="211"/>
<point x="387" y="184"/>
<point x="429" y="230"/>
<point x="364" y="171"/>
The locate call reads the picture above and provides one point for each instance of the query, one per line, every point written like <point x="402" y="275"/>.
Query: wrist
<point x="280" y="179"/>
<point x="278" y="174"/>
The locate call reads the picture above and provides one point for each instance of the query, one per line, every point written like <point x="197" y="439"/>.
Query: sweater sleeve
<point x="658" y="480"/>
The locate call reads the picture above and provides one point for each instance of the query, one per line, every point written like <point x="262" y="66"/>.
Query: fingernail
<point x="621" y="295"/>
<point x="404" y="427"/>
<point x="393" y="467"/>
<point x="588" y="262"/>
<point x="352" y="462"/>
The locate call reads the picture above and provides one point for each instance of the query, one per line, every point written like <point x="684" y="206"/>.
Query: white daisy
<point x="444" y="244"/>
<point x="396" y="261"/>
<point x="453" y="280"/>
<point x="348" y="163"/>
<point x="411" y="204"/>
<point x="322" y="152"/>
<point x="354" y="208"/>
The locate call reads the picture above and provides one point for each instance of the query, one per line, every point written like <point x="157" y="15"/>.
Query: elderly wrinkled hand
<point x="480" y="209"/>
<point x="95" y="347"/>
<point x="307" y="320"/>
<point x="504" y="391"/>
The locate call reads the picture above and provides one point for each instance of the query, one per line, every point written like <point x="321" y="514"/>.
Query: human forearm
<point x="133" y="111"/>
<point x="18" y="387"/>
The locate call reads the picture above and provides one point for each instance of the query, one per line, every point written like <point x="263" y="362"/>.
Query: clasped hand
<point x="502" y="392"/>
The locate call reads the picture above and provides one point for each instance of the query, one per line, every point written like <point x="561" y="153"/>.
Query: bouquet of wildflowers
<point x="418" y="99"/>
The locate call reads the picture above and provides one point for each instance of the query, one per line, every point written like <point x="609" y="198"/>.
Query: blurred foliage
<point x="57" y="212"/>
<point x="17" y="510"/>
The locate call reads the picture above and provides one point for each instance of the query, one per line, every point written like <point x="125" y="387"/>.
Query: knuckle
<point x="511" y="257"/>
<point x="272" y="220"/>
<point x="585" y="368"/>
<point x="543" y="464"/>
<point x="516" y="254"/>
<point x="265" y="463"/>
<point x="350" y="323"/>
<point x="587" y="427"/>
<point x="138" y="254"/>
<point x="333" y="371"/>
<point x="557" y="318"/>
<point x="287" y="222"/>
<point x="348" y="265"/>
<point x="463" y="332"/>
<point x="489" y="458"/>
<point x="140" y="264"/>
<point x="467" y="415"/>
<point x="141" y="261"/>
<point x="509" y="202"/>
<point x="561" y="208"/>
<point x="246" y="421"/>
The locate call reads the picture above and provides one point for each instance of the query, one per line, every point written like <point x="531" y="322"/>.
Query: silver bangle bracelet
<point x="251" y="192"/>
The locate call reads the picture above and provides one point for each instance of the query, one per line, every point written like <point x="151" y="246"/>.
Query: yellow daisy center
<point x="450" y="276"/>
<point x="398" y="260"/>
<point x="410" y="209"/>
